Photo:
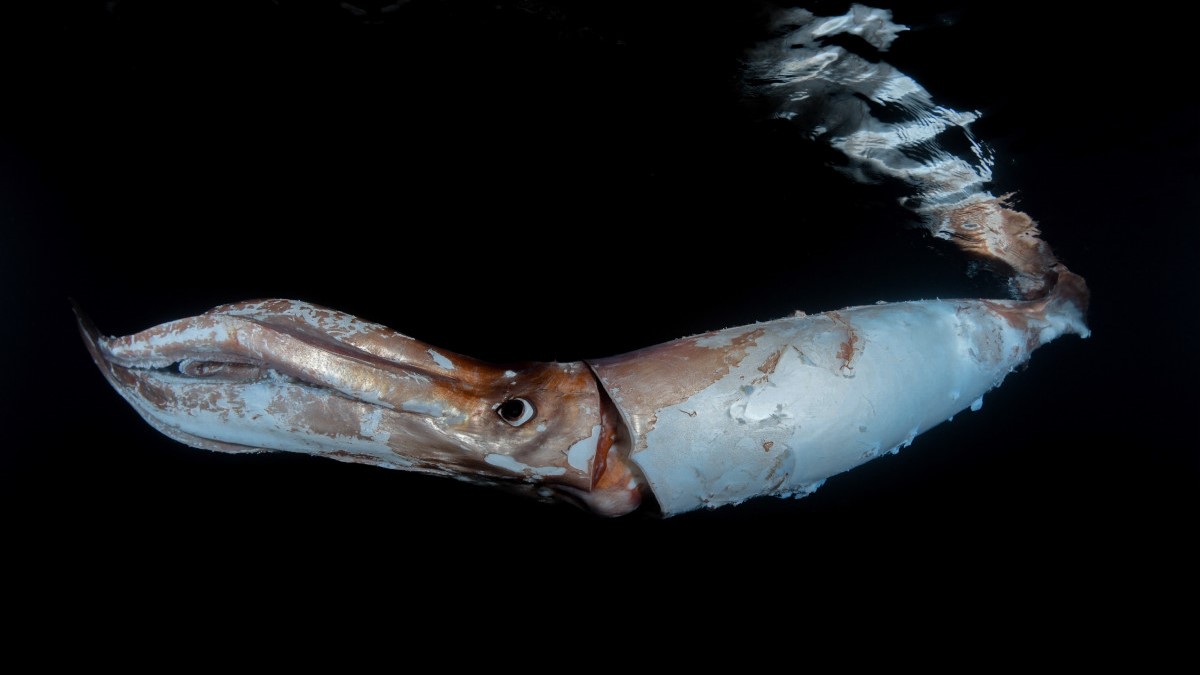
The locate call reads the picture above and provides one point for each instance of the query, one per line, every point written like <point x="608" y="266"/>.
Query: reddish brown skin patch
<point x="607" y="435"/>
<point x="657" y="377"/>
<point x="355" y="457"/>
<point x="846" y="350"/>
<point x="850" y="347"/>
<point x="768" y="366"/>
<point x="612" y="474"/>
<point x="612" y="495"/>
<point x="648" y="380"/>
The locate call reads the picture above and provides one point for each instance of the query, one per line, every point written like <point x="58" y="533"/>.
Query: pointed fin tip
<point x="86" y="326"/>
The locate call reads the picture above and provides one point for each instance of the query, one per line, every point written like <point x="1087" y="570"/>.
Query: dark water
<point x="555" y="163"/>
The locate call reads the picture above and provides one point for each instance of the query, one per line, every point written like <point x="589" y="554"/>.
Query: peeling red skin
<point x="661" y="376"/>
<point x="617" y="485"/>
<point x="354" y="457"/>
<point x="768" y="366"/>
<point x="607" y="436"/>
<point x="849" y="348"/>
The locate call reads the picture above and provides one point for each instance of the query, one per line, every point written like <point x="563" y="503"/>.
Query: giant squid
<point x="769" y="409"/>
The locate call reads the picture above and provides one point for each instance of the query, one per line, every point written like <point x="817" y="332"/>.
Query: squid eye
<point x="516" y="411"/>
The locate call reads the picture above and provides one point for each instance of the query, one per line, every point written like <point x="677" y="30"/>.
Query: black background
<point x="526" y="181"/>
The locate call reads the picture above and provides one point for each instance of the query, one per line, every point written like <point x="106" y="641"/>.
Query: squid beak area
<point x="287" y="376"/>
<point x="230" y="384"/>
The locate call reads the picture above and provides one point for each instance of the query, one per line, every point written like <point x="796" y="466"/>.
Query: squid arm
<point x="772" y="408"/>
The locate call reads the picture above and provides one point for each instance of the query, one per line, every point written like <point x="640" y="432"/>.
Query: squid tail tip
<point x="1069" y="299"/>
